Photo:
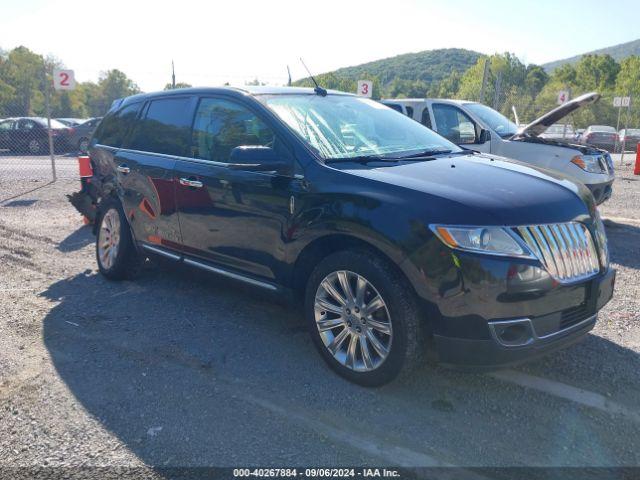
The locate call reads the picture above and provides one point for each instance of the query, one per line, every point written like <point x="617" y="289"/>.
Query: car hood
<point x="495" y="189"/>
<point x="540" y="125"/>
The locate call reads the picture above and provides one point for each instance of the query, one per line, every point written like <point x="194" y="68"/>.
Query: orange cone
<point x="84" y="165"/>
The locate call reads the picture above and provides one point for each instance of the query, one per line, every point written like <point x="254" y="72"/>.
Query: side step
<point x="210" y="268"/>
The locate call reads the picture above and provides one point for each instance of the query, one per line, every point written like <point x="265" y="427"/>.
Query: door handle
<point x="189" y="182"/>
<point x="123" y="168"/>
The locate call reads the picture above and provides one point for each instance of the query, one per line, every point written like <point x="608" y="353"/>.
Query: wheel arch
<point x="323" y="246"/>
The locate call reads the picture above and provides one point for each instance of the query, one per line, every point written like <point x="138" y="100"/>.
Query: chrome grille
<point x="567" y="250"/>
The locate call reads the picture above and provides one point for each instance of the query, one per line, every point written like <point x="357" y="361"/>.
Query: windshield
<point x="345" y="127"/>
<point x="559" y="129"/>
<point x="494" y="120"/>
<point x="54" y="123"/>
<point x="602" y="128"/>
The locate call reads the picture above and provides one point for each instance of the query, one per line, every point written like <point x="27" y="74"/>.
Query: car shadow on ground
<point x="181" y="367"/>
<point x="624" y="243"/>
<point x="78" y="239"/>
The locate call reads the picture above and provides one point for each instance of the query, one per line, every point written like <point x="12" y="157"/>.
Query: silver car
<point x="81" y="134"/>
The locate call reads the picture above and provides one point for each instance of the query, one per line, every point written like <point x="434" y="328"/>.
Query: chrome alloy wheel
<point x="353" y="321"/>
<point x="109" y="238"/>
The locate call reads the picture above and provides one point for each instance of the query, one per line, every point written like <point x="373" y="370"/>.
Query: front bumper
<point x="601" y="191"/>
<point x="549" y="332"/>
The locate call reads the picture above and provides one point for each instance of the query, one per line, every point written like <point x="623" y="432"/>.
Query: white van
<point x="477" y="127"/>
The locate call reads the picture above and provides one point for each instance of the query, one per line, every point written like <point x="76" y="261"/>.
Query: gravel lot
<point x="179" y="368"/>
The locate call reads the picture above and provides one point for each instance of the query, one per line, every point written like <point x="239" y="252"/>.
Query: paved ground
<point x="178" y="368"/>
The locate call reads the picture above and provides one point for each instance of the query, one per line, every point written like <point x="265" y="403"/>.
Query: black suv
<point x="397" y="240"/>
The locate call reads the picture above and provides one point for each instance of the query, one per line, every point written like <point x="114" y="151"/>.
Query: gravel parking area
<point x="178" y="368"/>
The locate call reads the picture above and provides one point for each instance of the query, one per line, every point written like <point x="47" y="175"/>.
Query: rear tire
<point x="391" y="329"/>
<point x="116" y="252"/>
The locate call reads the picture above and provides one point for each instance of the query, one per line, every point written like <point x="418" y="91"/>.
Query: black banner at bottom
<point x="398" y="473"/>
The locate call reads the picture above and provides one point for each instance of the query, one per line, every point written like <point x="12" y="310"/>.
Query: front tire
<point x="116" y="252"/>
<point x="363" y="317"/>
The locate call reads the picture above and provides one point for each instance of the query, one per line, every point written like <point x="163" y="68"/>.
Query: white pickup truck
<point x="475" y="126"/>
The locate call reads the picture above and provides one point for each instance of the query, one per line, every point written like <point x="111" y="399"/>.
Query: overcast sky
<point x="235" y="40"/>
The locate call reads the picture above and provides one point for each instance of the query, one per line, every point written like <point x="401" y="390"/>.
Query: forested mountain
<point x="618" y="52"/>
<point x="427" y="66"/>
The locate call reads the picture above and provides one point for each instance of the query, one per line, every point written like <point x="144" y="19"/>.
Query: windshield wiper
<point x="362" y="159"/>
<point x="423" y="154"/>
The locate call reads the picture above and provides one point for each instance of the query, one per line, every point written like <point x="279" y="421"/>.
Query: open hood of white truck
<point x="540" y="124"/>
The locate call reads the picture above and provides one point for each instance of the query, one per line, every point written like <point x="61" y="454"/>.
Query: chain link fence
<point x="36" y="151"/>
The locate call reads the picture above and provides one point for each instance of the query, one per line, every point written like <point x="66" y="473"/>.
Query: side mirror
<point x="255" y="158"/>
<point x="485" y="136"/>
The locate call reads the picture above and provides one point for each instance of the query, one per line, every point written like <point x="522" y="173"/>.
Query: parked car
<point x="81" y="134"/>
<point x="71" y="122"/>
<point x="30" y="134"/>
<point x="475" y="126"/>
<point x="559" y="131"/>
<point x="630" y="138"/>
<point x="395" y="239"/>
<point x="600" y="136"/>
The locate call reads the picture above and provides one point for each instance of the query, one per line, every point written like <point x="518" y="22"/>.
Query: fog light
<point x="512" y="333"/>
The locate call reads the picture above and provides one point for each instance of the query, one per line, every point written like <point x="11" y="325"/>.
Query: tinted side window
<point x="453" y="124"/>
<point x="116" y="126"/>
<point x="221" y="125"/>
<point x="26" y="125"/>
<point x="394" y="106"/>
<point x="165" y="127"/>
<point x="426" y="118"/>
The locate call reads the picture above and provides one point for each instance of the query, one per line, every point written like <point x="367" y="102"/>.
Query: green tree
<point x="23" y="71"/>
<point x="628" y="78"/>
<point x="628" y="84"/>
<point x="113" y="85"/>
<point x="535" y="80"/>
<point x="448" y="87"/>
<point x="596" y="72"/>
<point x="170" y="86"/>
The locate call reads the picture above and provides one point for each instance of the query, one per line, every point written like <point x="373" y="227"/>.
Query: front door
<point x="232" y="217"/>
<point x="457" y="127"/>
<point x="6" y="129"/>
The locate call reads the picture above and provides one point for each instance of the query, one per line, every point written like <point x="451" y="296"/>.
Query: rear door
<point x="145" y="168"/>
<point x="235" y="218"/>
<point x="28" y="131"/>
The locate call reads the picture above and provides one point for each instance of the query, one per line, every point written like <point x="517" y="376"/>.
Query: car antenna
<point x="319" y="90"/>
<point x="289" y="72"/>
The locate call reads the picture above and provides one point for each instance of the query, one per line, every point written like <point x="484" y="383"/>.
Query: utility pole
<point x="626" y="124"/>
<point x="615" y="144"/>
<point x="47" y="106"/>
<point x="564" y="129"/>
<point x="496" y="98"/>
<point x="173" y="76"/>
<point x="485" y="78"/>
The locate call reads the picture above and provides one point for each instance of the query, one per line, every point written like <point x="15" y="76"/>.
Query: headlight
<point x="488" y="240"/>
<point x="588" y="163"/>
